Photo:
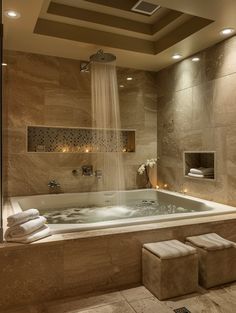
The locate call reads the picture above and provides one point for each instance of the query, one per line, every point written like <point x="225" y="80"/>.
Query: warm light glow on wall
<point x="176" y="56"/>
<point x="12" y="14"/>
<point x="65" y="149"/>
<point x="227" y="31"/>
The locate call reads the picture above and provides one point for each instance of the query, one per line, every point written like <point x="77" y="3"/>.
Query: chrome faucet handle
<point x="75" y="172"/>
<point x="87" y="170"/>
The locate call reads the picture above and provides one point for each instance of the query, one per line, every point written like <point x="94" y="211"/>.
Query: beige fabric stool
<point x="217" y="259"/>
<point x="169" y="268"/>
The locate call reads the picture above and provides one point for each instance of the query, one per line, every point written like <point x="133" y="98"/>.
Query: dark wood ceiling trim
<point x="183" y="31"/>
<point x="125" y="5"/>
<point x="82" y="34"/>
<point x="167" y="19"/>
<point x="99" y="18"/>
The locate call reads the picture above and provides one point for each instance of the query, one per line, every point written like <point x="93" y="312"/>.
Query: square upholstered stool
<point x="169" y="268"/>
<point x="217" y="259"/>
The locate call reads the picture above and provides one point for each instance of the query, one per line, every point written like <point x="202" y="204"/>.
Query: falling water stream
<point x="106" y="117"/>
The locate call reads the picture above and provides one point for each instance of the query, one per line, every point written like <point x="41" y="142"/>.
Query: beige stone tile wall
<point x="197" y="111"/>
<point x="45" y="90"/>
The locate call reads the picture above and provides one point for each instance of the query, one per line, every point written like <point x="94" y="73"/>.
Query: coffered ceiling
<point x="77" y="28"/>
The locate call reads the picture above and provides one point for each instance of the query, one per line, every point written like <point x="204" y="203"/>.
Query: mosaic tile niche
<point x="79" y="140"/>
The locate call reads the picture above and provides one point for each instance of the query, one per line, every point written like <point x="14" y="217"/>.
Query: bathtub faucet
<point x="98" y="174"/>
<point x="53" y="184"/>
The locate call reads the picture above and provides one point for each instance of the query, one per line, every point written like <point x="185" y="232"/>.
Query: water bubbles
<point x="109" y="212"/>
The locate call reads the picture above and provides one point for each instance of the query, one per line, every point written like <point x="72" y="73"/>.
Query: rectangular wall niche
<point x="199" y="159"/>
<point x="79" y="140"/>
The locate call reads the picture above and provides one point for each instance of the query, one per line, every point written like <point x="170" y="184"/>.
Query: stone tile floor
<point x="140" y="300"/>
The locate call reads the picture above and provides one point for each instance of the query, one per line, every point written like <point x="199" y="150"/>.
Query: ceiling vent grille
<point x="145" y="7"/>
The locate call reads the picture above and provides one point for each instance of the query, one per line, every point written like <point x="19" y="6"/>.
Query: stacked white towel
<point x="26" y="227"/>
<point x="201" y="172"/>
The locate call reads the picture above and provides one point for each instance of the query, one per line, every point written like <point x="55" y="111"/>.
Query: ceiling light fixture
<point x="196" y="59"/>
<point x="4" y="64"/>
<point x="12" y="14"/>
<point x="122" y="86"/>
<point x="176" y="56"/>
<point x="129" y="78"/>
<point x="227" y="31"/>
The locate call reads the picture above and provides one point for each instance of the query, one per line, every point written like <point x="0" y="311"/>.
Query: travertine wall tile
<point x="224" y="100"/>
<point x="202" y="106"/>
<point x="31" y="273"/>
<point x="50" y="91"/>
<point x="197" y="111"/>
<point x="220" y="59"/>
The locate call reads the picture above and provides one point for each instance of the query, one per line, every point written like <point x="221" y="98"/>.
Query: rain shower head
<point x="102" y="57"/>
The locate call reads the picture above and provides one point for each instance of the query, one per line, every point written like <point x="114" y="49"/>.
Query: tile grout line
<point x="93" y="307"/>
<point x="133" y="309"/>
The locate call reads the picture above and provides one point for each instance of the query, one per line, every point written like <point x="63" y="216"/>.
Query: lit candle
<point x="165" y="185"/>
<point x="65" y="149"/>
<point x="157" y="187"/>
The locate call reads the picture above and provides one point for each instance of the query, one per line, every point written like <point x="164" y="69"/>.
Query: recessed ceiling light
<point x="196" y="59"/>
<point x="129" y="78"/>
<point x="4" y="64"/>
<point x="176" y="56"/>
<point x="12" y="14"/>
<point x="122" y="86"/>
<point x="227" y="31"/>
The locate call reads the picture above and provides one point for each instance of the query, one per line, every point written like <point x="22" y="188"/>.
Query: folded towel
<point x="211" y="241"/>
<point x="26" y="228"/>
<point x="202" y="170"/>
<point x="22" y="217"/>
<point x="169" y="249"/>
<point x="201" y="175"/>
<point x="196" y="175"/>
<point x="40" y="233"/>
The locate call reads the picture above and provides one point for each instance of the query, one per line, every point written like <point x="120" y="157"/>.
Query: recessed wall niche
<point x="79" y="140"/>
<point x="199" y="165"/>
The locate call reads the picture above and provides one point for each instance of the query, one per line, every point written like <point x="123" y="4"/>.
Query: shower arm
<point x="84" y="66"/>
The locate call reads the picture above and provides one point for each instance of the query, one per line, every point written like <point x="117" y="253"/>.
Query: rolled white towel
<point x="25" y="228"/>
<point x="40" y="233"/>
<point x="202" y="170"/>
<point x="22" y="217"/>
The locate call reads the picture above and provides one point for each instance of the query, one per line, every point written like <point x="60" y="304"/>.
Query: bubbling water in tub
<point x="131" y="209"/>
<point x="106" y="118"/>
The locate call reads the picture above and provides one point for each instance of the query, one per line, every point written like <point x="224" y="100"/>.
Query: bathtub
<point x="178" y="206"/>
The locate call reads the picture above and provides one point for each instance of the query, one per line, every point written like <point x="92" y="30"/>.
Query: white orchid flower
<point x="149" y="163"/>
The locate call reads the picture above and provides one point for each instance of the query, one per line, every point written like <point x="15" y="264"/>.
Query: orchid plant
<point x="143" y="168"/>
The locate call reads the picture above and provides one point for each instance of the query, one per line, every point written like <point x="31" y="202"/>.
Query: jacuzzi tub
<point x="112" y="209"/>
